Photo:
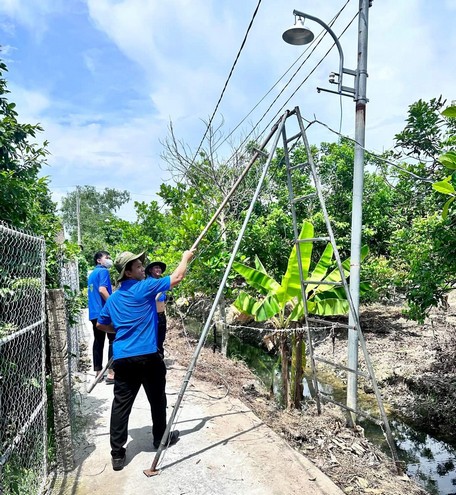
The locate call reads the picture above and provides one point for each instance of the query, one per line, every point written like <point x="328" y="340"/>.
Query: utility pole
<point x="78" y="215"/>
<point x="357" y="206"/>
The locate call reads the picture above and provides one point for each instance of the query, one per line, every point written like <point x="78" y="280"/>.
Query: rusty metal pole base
<point x="151" y="472"/>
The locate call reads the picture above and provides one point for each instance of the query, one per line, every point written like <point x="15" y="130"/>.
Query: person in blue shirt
<point x="131" y="314"/>
<point x="156" y="270"/>
<point x="99" y="289"/>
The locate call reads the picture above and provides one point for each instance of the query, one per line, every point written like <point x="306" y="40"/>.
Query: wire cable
<point x="227" y="80"/>
<point x="316" y="41"/>
<point x="294" y="92"/>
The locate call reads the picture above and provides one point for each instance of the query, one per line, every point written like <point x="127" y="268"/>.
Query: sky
<point x="105" y="78"/>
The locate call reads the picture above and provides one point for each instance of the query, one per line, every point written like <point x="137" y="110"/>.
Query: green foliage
<point x="75" y="301"/>
<point x="425" y="255"/>
<point x="384" y="280"/>
<point x="423" y="135"/>
<point x="448" y="160"/>
<point x="99" y="227"/>
<point x="25" y="199"/>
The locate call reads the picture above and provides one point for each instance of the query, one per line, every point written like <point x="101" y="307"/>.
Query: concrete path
<point x="224" y="449"/>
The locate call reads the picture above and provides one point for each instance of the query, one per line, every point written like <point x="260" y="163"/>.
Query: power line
<point x="294" y="92"/>
<point x="228" y="78"/>
<point x="373" y="153"/>
<point x="317" y="40"/>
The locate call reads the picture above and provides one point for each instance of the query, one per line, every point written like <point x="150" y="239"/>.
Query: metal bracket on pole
<point x="341" y="90"/>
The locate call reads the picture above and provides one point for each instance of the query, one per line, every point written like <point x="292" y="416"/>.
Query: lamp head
<point x="298" y="34"/>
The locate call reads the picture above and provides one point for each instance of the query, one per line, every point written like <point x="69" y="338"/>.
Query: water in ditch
<point x="429" y="461"/>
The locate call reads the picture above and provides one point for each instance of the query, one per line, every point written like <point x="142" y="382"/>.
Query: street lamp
<point x="298" y="35"/>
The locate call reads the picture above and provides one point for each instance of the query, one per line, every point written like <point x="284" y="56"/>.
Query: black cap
<point x="155" y="263"/>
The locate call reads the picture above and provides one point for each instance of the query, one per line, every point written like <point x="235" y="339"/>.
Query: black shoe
<point x="172" y="439"/>
<point x="118" y="464"/>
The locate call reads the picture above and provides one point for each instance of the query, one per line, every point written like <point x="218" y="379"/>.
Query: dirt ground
<point x="415" y="369"/>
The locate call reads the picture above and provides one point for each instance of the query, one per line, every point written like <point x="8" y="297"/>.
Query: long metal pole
<point x="203" y="233"/>
<point x="152" y="471"/>
<point x="235" y="186"/>
<point x="357" y="206"/>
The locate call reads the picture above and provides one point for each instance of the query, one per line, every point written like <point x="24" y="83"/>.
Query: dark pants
<point x="161" y="335"/>
<point x="150" y="372"/>
<point x="99" y="338"/>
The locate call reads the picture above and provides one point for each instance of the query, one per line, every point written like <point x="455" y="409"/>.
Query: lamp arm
<point x="334" y="37"/>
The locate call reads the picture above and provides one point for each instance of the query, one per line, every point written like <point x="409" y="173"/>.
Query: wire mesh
<point x="69" y="280"/>
<point x="23" y="404"/>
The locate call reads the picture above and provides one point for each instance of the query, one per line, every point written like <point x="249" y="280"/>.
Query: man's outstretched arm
<point x="179" y="273"/>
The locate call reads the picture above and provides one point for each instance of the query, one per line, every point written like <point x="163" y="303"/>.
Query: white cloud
<point x="182" y="51"/>
<point x="31" y="104"/>
<point x="32" y="14"/>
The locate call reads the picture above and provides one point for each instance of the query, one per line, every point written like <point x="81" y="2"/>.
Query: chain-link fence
<point x="23" y="404"/>
<point x="69" y="281"/>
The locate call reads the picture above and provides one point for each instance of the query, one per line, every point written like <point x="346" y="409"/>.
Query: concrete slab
<point x="224" y="449"/>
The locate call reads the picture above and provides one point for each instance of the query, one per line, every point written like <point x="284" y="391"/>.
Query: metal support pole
<point x="358" y="180"/>
<point x="152" y="471"/>
<point x="255" y="156"/>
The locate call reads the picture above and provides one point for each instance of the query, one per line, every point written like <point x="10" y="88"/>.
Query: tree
<point x="97" y="213"/>
<point x="448" y="160"/>
<point x="25" y="198"/>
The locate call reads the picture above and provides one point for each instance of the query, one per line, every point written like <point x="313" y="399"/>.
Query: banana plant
<point x="282" y="303"/>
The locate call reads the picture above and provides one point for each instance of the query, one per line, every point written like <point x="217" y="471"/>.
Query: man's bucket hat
<point x="123" y="259"/>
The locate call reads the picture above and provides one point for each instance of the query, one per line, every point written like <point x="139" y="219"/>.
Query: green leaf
<point x="328" y="307"/>
<point x="323" y="264"/>
<point x="335" y="276"/>
<point x="446" y="207"/>
<point x="245" y="303"/>
<point x="449" y="112"/>
<point x="257" y="279"/>
<point x="444" y="186"/>
<point x="448" y="160"/>
<point x="266" y="308"/>
<point x="291" y="285"/>
<point x="259" y="266"/>
<point x="298" y="311"/>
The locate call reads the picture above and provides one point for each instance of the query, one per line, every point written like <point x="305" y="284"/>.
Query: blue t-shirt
<point x="132" y="312"/>
<point x="162" y="297"/>
<point x="98" y="278"/>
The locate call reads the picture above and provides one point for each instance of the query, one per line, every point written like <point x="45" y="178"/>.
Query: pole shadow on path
<point x="142" y="437"/>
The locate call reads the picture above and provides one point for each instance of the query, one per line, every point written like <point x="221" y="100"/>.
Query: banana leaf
<point x="334" y="275"/>
<point x="323" y="307"/>
<point x="259" y="266"/>
<point x="245" y="303"/>
<point x="257" y="279"/>
<point x="322" y="267"/>
<point x="291" y="285"/>
<point x="261" y="310"/>
<point x="266" y="308"/>
<point x="331" y="307"/>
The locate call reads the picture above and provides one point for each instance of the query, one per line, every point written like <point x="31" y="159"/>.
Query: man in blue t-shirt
<point x="99" y="289"/>
<point x="131" y="314"/>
